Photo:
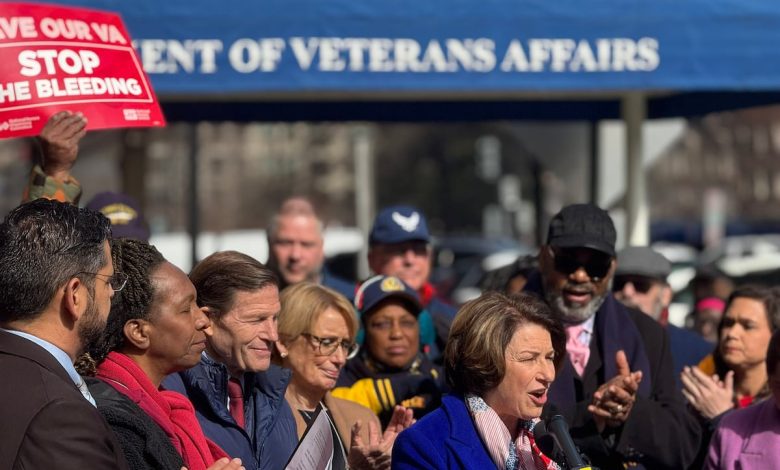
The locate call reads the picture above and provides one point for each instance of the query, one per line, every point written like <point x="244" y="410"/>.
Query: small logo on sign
<point x="4" y="126"/>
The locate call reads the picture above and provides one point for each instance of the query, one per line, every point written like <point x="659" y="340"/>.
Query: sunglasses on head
<point x="641" y="284"/>
<point x="595" y="264"/>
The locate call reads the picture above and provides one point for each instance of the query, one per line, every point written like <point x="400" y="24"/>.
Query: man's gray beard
<point x="573" y="315"/>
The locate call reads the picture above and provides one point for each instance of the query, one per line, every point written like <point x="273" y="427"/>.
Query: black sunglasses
<point x="595" y="264"/>
<point x="641" y="284"/>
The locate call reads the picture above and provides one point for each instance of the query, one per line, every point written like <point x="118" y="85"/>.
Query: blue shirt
<point x="61" y="357"/>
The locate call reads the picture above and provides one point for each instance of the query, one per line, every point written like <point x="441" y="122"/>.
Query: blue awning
<point x="453" y="59"/>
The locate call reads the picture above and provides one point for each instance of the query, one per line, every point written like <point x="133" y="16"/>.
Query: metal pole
<point x="594" y="162"/>
<point x="193" y="203"/>
<point x="365" y="191"/>
<point x="634" y="111"/>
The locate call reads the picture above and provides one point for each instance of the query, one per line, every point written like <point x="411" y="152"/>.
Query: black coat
<point x="659" y="432"/>
<point x="144" y="443"/>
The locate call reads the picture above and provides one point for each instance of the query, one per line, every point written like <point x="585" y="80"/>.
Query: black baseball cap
<point x="583" y="226"/>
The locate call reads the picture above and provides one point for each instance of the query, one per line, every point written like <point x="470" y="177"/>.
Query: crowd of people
<point x="115" y="358"/>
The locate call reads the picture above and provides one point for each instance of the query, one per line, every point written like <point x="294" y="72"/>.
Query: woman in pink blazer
<point x="750" y="438"/>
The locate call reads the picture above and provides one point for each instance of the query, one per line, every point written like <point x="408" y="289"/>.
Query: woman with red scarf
<point x="155" y="328"/>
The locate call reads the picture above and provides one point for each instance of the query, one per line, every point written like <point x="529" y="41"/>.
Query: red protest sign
<point x="56" y="58"/>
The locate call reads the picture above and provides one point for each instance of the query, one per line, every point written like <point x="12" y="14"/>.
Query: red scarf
<point x="172" y="411"/>
<point x="427" y="292"/>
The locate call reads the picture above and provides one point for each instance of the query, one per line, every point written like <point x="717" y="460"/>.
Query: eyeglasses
<point x="117" y="281"/>
<point x="596" y="264"/>
<point x="641" y="284"/>
<point x="327" y="346"/>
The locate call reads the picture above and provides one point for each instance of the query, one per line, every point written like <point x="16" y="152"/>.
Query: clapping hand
<point x="375" y="454"/>
<point x="710" y="396"/>
<point x="613" y="401"/>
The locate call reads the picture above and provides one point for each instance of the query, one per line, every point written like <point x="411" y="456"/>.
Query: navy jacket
<point x="271" y="435"/>
<point x="688" y="349"/>
<point x="444" y="439"/>
<point x="342" y="286"/>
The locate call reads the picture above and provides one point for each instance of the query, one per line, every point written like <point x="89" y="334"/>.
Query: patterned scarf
<point x="520" y="454"/>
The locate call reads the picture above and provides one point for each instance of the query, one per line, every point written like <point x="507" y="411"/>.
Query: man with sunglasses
<point x="400" y="246"/>
<point x="616" y="388"/>
<point x="640" y="282"/>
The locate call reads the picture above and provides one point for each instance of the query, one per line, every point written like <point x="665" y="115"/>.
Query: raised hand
<point x="376" y="453"/>
<point x="710" y="396"/>
<point x="60" y="142"/>
<point x="613" y="400"/>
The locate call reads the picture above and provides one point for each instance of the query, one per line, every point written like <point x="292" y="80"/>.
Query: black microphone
<point x="544" y="439"/>
<point x="560" y="432"/>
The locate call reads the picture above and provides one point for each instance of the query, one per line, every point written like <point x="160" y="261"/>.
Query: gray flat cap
<point x="643" y="261"/>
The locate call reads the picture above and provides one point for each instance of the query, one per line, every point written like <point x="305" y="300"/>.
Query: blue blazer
<point x="443" y="439"/>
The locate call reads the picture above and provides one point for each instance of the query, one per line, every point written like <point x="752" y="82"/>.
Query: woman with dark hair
<point x="750" y="438"/>
<point x="390" y="369"/>
<point x="501" y="357"/>
<point x="739" y="375"/>
<point x="735" y="375"/>
<point x="236" y="390"/>
<point x="154" y="329"/>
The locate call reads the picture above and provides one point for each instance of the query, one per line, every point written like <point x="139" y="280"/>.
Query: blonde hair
<point x="304" y="302"/>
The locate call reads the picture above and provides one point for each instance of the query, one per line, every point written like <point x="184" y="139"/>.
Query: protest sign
<point x="55" y="58"/>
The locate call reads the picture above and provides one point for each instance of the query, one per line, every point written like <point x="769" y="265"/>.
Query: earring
<point x="283" y="354"/>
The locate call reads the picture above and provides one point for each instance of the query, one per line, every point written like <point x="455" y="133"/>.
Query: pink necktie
<point x="236" y="401"/>
<point x="579" y="352"/>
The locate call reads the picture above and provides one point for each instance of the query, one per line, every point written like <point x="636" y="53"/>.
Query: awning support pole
<point x="634" y="112"/>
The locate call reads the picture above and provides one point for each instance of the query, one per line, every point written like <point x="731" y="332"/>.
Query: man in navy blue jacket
<point x="237" y="393"/>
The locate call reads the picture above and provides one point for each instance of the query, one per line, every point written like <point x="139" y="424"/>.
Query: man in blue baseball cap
<point x="400" y="245"/>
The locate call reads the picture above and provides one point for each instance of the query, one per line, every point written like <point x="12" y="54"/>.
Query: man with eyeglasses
<point x="640" y="283"/>
<point x="616" y="388"/>
<point x="389" y="369"/>
<point x="56" y="284"/>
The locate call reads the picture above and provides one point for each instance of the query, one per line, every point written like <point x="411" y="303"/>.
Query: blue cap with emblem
<point x="124" y="212"/>
<point x="398" y="224"/>
<point x="380" y="288"/>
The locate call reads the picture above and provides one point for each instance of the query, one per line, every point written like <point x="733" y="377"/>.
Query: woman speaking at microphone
<point x="500" y="359"/>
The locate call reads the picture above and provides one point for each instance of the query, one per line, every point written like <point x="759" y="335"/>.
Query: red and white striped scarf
<point x="520" y="454"/>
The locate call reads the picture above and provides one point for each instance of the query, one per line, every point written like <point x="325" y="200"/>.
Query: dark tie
<point x="236" y="401"/>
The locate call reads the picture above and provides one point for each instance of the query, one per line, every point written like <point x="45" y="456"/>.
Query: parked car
<point x="461" y="261"/>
